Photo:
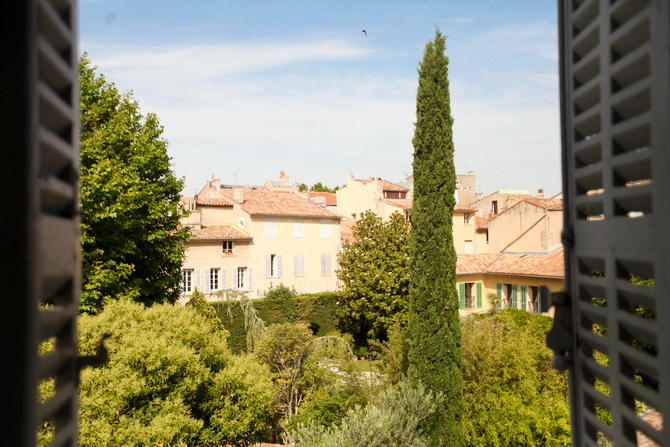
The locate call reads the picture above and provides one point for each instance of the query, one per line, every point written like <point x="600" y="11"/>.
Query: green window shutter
<point x="515" y="296"/>
<point x="479" y="295"/>
<point x="523" y="297"/>
<point x="461" y="296"/>
<point x="499" y="292"/>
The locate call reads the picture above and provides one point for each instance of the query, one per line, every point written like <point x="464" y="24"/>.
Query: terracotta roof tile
<point x="214" y="202"/>
<point x="459" y="207"/>
<point x="548" y="204"/>
<point x="331" y="198"/>
<point x="547" y="266"/>
<point x="219" y="232"/>
<point x="655" y="419"/>
<point x="347" y="230"/>
<point x="481" y="222"/>
<point x="260" y="201"/>
<point x="405" y="204"/>
<point x="389" y="186"/>
<point x="470" y="264"/>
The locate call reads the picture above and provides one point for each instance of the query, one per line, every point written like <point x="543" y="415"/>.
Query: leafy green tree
<point x="435" y="339"/>
<point x="375" y="276"/>
<point x="132" y="245"/>
<point x="170" y="380"/>
<point x="393" y="420"/>
<point x="286" y="349"/>
<point x="319" y="187"/>
<point x="280" y="292"/>
<point x="512" y="395"/>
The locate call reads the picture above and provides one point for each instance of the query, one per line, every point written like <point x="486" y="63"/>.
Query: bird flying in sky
<point x="365" y="32"/>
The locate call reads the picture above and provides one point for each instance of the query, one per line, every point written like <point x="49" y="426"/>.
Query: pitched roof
<point x="219" y="232"/>
<point x="547" y="266"/>
<point x="261" y="201"/>
<point x="331" y="198"/>
<point x="548" y="204"/>
<point x="405" y="204"/>
<point x="347" y="230"/>
<point x="459" y="207"/>
<point x="481" y="222"/>
<point x="213" y="202"/>
<point x="388" y="186"/>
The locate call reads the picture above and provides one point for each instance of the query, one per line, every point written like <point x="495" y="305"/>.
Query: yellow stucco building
<point x="247" y="238"/>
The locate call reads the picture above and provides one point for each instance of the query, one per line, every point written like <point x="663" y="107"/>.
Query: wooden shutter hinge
<point x="559" y="337"/>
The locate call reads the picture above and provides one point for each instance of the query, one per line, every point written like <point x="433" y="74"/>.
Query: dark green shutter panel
<point x="461" y="296"/>
<point x="515" y="296"/>
<point x="479" y="295"/>
<point x="499" y="292"/>
<point x="524" y="298"/>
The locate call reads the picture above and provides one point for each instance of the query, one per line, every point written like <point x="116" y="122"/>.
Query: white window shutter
<point x="268" y="266"/>
<point x="234" y="278"/>
<point x="197" y="279"/>
<point x="279" y="266"/>
<point x="251" y="278"/>
<point x="208" y="281"/>
<point x="224" y="279"/>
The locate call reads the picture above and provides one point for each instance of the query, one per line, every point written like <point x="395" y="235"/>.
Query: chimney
<point x="283" y="176"/>
<point x="238" y="194"/>
<point x="540" y="193"/>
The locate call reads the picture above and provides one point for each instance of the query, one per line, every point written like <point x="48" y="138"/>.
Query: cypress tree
<point x="435" y="338"/>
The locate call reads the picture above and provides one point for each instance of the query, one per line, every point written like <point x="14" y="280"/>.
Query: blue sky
<point x="246" y="89"/>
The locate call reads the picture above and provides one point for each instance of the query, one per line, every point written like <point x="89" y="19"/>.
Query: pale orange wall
<point x="463" y="232"/>
<point x="490" y="282"/>
<point x="509" y="228"/>
<point x="357" y="197"/>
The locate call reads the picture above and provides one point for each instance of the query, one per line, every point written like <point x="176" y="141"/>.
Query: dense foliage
<point x="170" y="380"/>
<point x="434" y="331"/>
<point x="393" y="420"/>
<point x="287" y="349"/>
<point x="317" y="310"/>
<point x="512" y="395"/>
<point x="131" y="240"/>
<point x="375" y="277"/>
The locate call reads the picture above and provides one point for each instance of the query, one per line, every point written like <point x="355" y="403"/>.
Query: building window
<point x="270" y="228"/>
<point x="326" y="267"/>
<point x="273" y="266"/>
<point x="214" y="280"/>
<point x="467" y="297"/>
<point x="241" y="278"/>
<point x="325" y="229"/>
<point x="494" y="207"/>
<point x="533" y="300"/>
<point x="228" y="247"/>
<point x="187" y="281"/>
<point x="466" y="218"/>
<point x="299" y="228"/>
<point x="299" y="265"/>
<point x="468" y="248"/>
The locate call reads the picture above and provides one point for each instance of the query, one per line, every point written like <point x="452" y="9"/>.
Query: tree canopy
<point x="512" y="394"/>
<point x="174" y="379"/>
<point x="375" y="276"/>
<point x="434" y="331"/>
<point x="132" y="245"/>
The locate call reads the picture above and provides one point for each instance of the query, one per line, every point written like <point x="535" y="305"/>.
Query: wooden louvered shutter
<point x="40" y="247"/>
<point x="524" y="297"/>
<point x="515" y="296"/>
<point x="615" y="109"/>
<point x="479" y="295"/>
<point x="461" y="295"/>
<point x="499" y="293"/>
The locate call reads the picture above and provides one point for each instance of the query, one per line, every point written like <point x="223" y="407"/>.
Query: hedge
<point x="317" y="310"/>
